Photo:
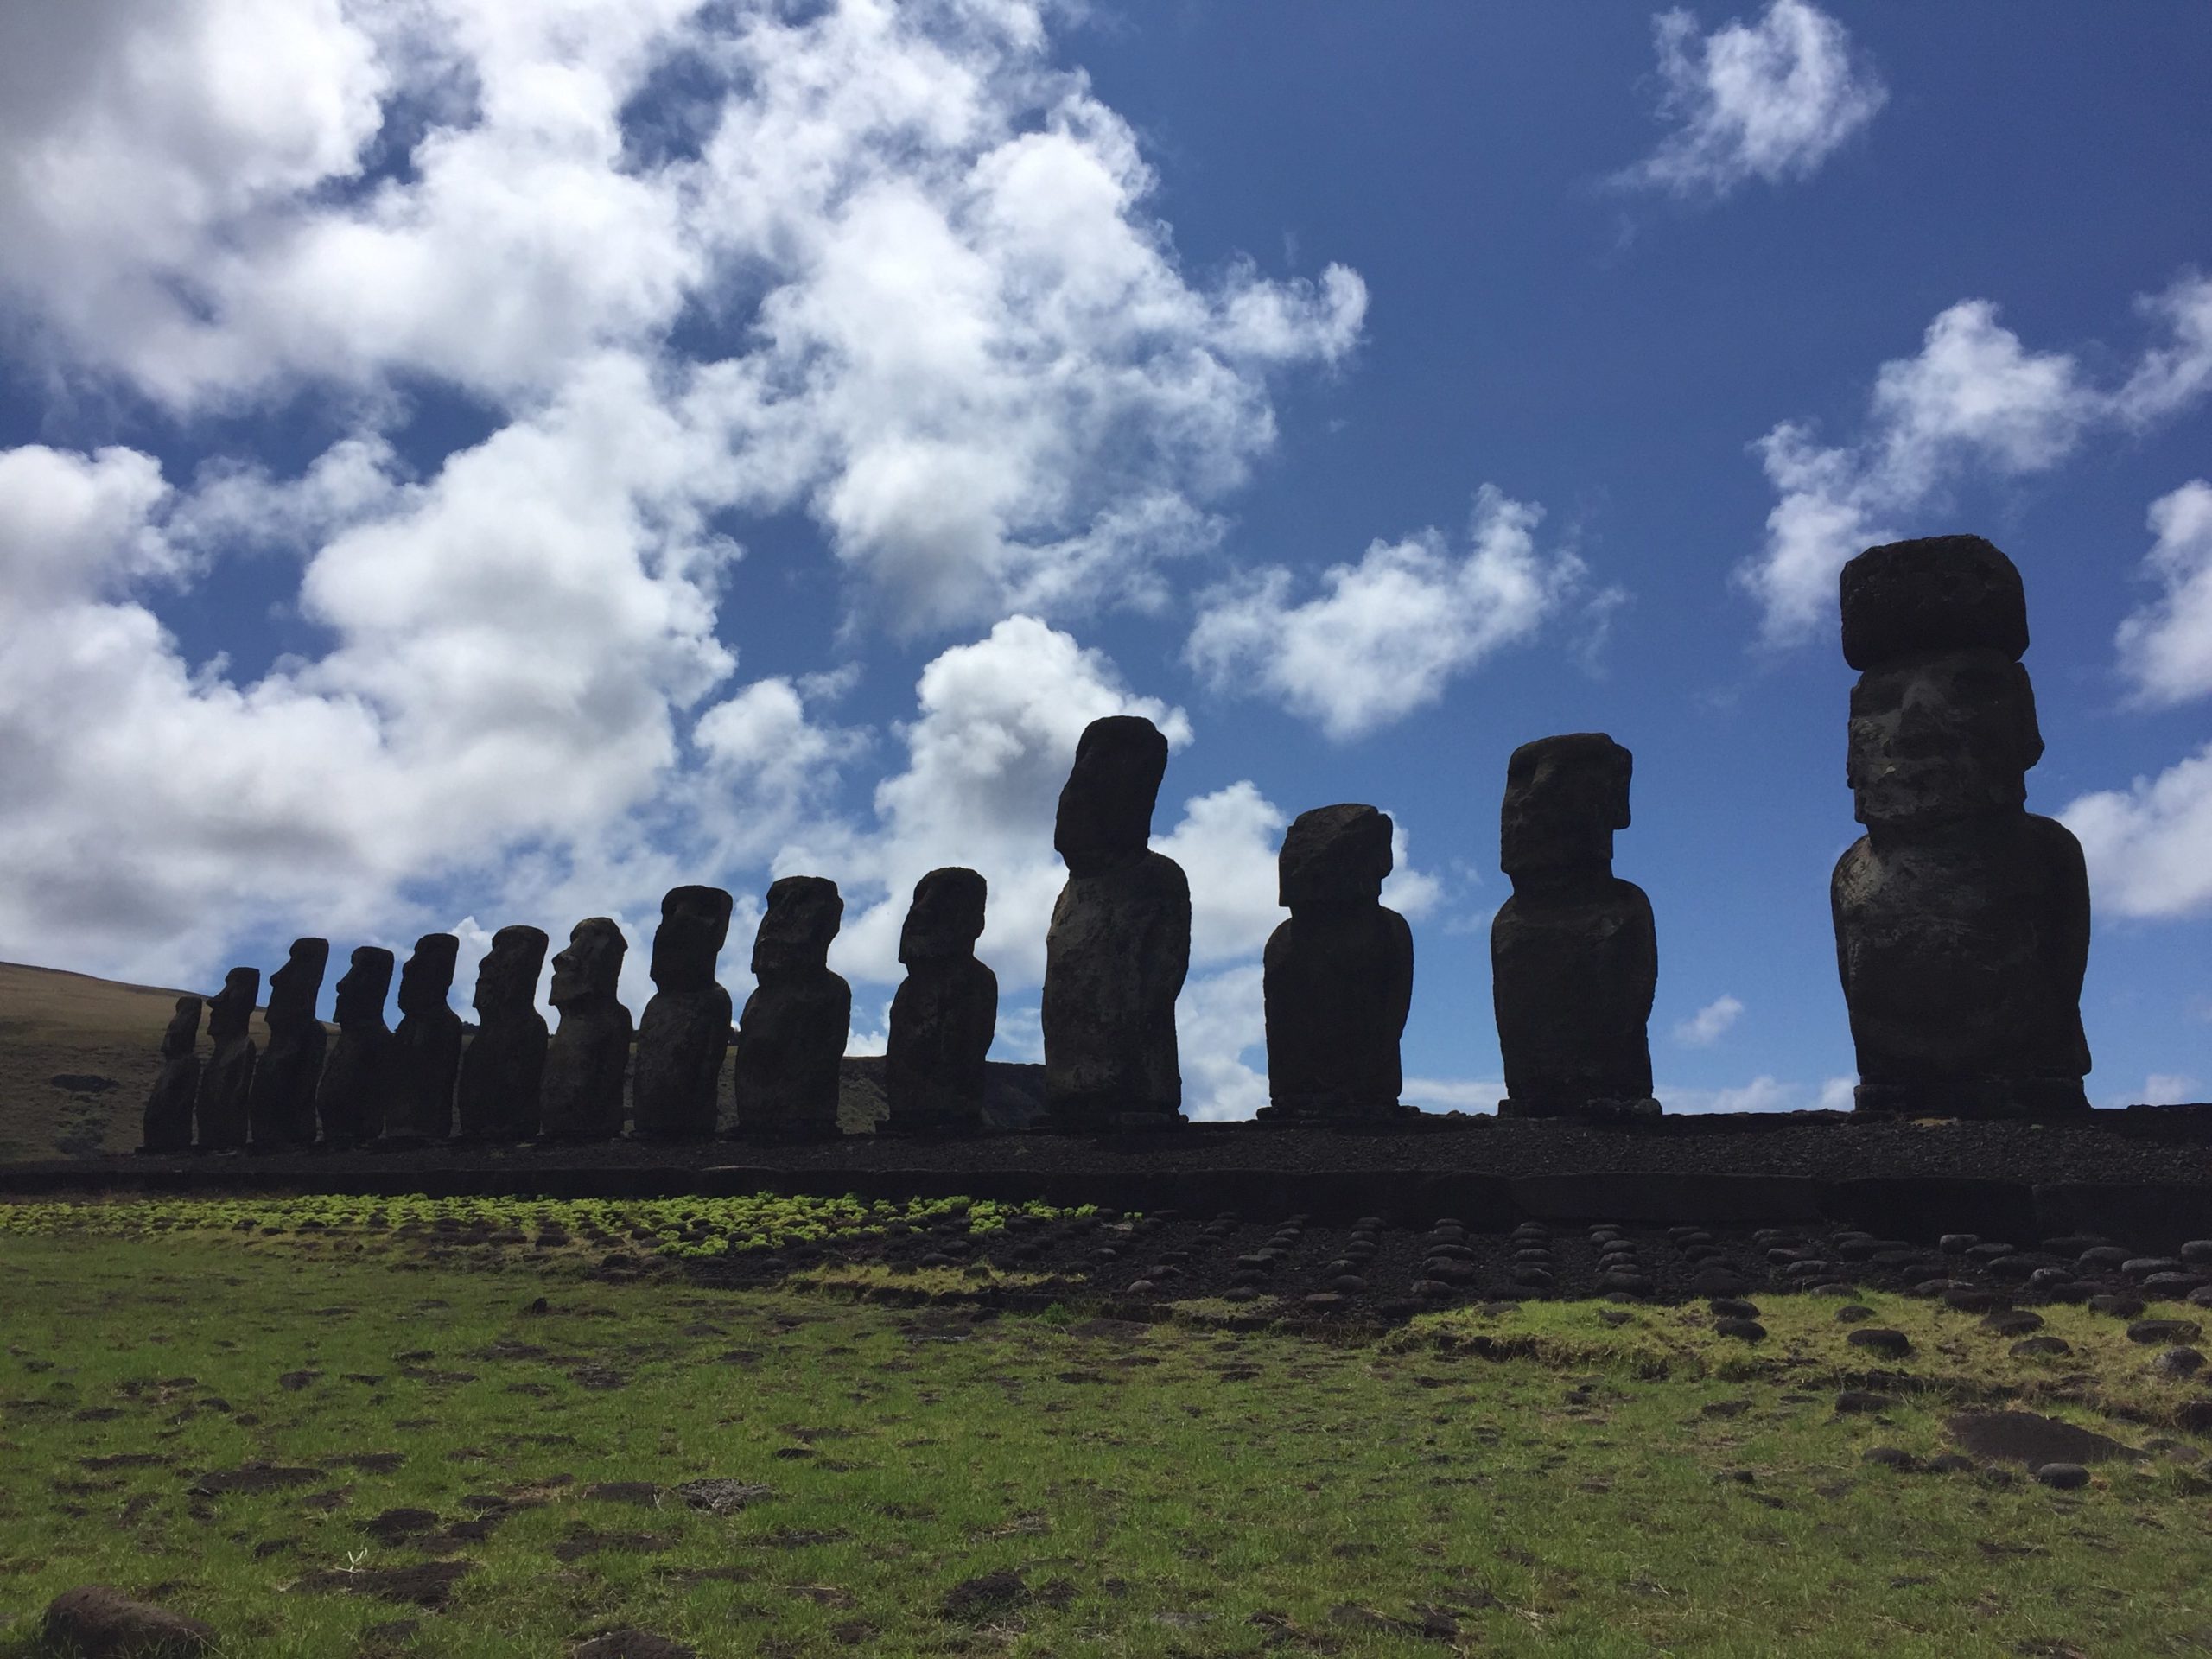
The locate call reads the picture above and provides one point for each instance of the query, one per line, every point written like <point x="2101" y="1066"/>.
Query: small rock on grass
<point x="1733" y="1307"/>
<point x="2017" y="1322"/>
<point x="2063" y="1476"/>
<point x="1892" y="1457"/>
<point x="100" y="1622"/>
<point x="2179" y="1362"/>
<point x="2170" y="1330"/>
<point x="1890" y="1345"/>
<point x="1742" y="1329"/>
<point x="1853" y="1314"/>
<point x="2042" y="1348"/>
<point x="633" y="1644"/>
<point x="1949" y="1463"/>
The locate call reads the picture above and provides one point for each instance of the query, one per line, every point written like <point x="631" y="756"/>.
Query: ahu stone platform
<point x="2143" y="1173"/>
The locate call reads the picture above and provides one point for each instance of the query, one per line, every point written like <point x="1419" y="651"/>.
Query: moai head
<point x="946" y="918"/>
<point x="694" y="923"/>
<point x="1334" y="855"/>
<point x="364" y="986"/>
<point x="233" y="1006"/>
<point x="428" y="976"/>
<point x="294" y="987"/>
<point x="1564" y="797"/>
<point x="184" y="1028"/>
<point x="506" y="979"/>
<point x="803" y="916"/>
<point x="1105" y="813"/>
<point x="1943" y="717"/>
<point x="591" y="964"/>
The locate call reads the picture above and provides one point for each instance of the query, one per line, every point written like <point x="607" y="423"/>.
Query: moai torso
<point x="945" y="1013"/>
<point x="1961" y="920"/>
<point x="589" y="1054"/>
<point x="1574" y="957"/>
<point x="426" y="1049"/>
<point x="168" y="1107"/>
<point x="1120" y="942"/>
<point x="503" y="1068"/>
<point x="685" y="1032"/>
<point x="357" y="1077"/>
<point x="791" y="1037"/>
<point x="282" y="1107"/>
<point x="1339" y="976"/>
<point x="226" y="1082"/>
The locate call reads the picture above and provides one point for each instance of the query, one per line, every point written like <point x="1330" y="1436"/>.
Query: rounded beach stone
<point x="2120" y="1307"/>
<point x="2167" y="1330"/>
<point x="2100" y="1258"/>
<point x="1957" y="1243"/>
<point x="2179" y="1362"/>
<point x="2197" y="1251"/>
<point x="1742" y="1329"/>
<point x="1893" y="1456"/>
<point x="1733" y="1307"/>
<point x="2041" y="1348"/>
<point x="1853" y="1314"/>
<point x="2016" y="1323"/>
<point x="2064" y="1475"/>
<point x="1717" y="1282"/>
<point x="1890" y="1345"/>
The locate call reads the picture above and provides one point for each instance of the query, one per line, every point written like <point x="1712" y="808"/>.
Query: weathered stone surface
<point x="1338" y="975"/>
<point x="1574" y="957"/>
<point x="585" y="1063"/>
<point x="1961" y="920"/>
<point x="685" y="1032"/>
<point x="280" y="1109"/>
<point x="97" y="1621"/>
<point x="798" y="1013"/>
<point x="176" y="1086"/>
<point x="792" y="1034"/>
<point x="945" y="1011"/>
<point x="1119" y="941"/>
<point x="503" y="1068"/>
<point x="226" y="1081"/>
<point x="357" y="1077"/>
<point x="426" y="1049"/>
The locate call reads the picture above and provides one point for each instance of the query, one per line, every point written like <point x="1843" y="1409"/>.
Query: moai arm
<point x="2066" y="914"/>
<point x="1645" y="949"/>
<point x="1398" y="996"/>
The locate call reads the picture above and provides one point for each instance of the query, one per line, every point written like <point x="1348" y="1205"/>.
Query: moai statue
<point x="945" y="1013"/>
<point x="1338" y="973"/>
<point x="504" y="1065"/>
<point x="685" y="1032"/>
<point x="169" y="1108"/>
<point x="426" y="1049"/>
<point x="280" y="1109"/>
<point x="1119" y="941"/>
<point x="790" y="1039"/>
<point x="581" y="1098"/>
<point x="226" y="1081"/>
<point x="1574" y="959"/>
<point x="357" y="1077"/>
<point x="1961" y="920"/>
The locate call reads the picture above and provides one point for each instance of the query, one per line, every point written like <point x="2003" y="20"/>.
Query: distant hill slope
<point x="79" y="1054"/>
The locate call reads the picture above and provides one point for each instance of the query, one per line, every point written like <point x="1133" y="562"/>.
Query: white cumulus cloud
<point x="1391" y="631"/>
<point x="1709" y="1024"/>
<point x="2165" y="647"/>
<point x="2149" y="846"/>
<point x="1972" y="399"/>
<point x="1771" y="100"/>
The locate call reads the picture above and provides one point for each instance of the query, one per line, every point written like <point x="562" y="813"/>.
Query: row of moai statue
<point x="1961" y="926"/>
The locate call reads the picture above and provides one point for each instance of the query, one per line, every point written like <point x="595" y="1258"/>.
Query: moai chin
<point x="357" y="1077"/>
<point x="1119" y="941"/>
<point x="945" y="1013"/>
<point x="281" y="1110"/>
<point x="503" y="1068"/>
<point x="1575" y="958"/>
<point x="226" y="1081"/>
<point x="1338" y="975"/>
<point x="791" y="1037"/>
<point x="168" y="1107"/>
<point x="581" y="1097"/>
<point x="426" y="1049"/>
<point x="685" y="1032"/>
<point x="1961" y="919"/>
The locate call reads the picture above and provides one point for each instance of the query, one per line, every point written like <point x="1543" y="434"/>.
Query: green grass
<point x="1175" y="1489"/>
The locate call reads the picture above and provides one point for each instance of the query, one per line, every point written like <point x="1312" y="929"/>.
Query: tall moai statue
<point x="357" y="1077"/>
<point x="177" y="1085"/>
<point x="945" y="1013"/>
<point x="226" y="1081"/>
<point x="1119" y="941"/>
<point x="1961" y="919"/>
<point x="1575" y="958"/>
<point x="1338" y="975"/>
<point x="426" y="1049"/>
<point x="790" y="1039"/>
<point x="504" y="1066"/>
<point x="685" y="1032"/>
<point x="281" y="1110"/>
<point x="582" y="1098"/>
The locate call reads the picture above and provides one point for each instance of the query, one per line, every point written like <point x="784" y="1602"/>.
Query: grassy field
<point x="331" y="1438"/>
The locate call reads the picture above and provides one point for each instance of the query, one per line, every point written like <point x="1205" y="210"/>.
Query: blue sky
<point x="464" y="463"/>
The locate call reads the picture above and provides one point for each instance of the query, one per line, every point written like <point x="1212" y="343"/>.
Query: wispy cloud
<point x="1707" y="1025"/>
<point x="1771" y="100"/>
